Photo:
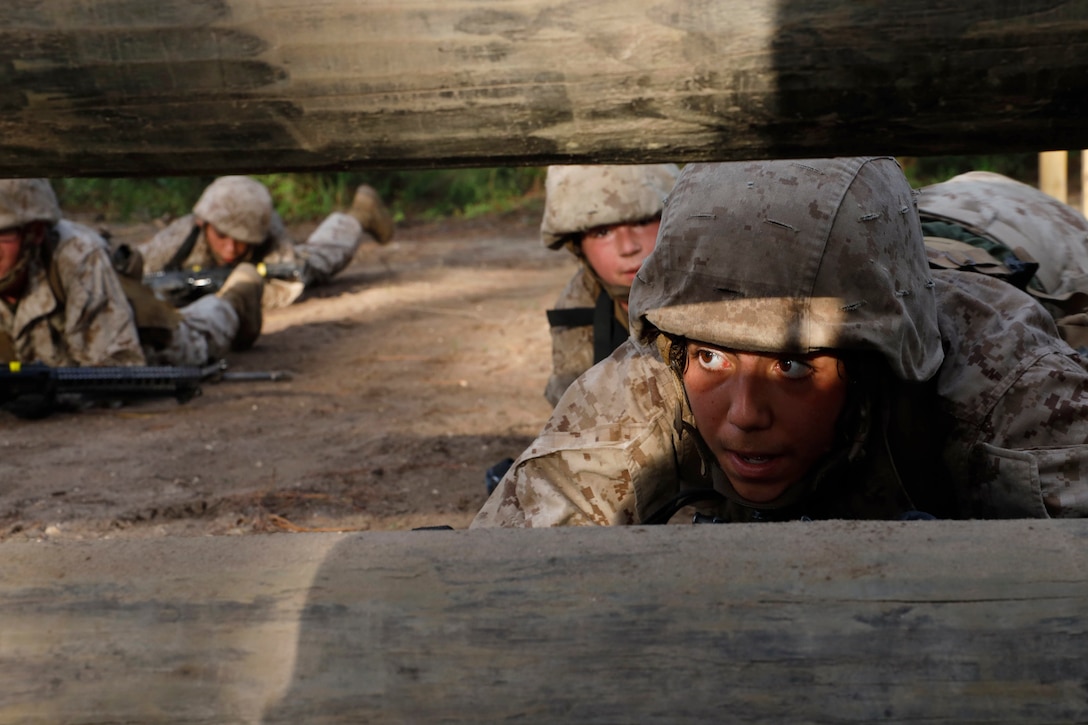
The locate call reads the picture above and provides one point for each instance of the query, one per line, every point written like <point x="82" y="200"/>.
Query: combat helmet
<point x="23" y="201"/>
<point x="238" y="206"/>
<point x="580" y="198"/>
<point x="1015" y="215"/>
<point x="793" y="256"/>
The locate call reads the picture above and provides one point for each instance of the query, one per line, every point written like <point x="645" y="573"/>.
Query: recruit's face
<point x="616" y="251"/>
<point x="767" y="418"/>
<point x="225" y="249"/>
<point x="11" y="243"/>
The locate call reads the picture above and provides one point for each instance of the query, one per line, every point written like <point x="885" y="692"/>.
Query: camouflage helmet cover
<point x="794" y="256"/>
<point x="1016" y="215"/>
<point x="23" y="201"/>
<point x="580" y="198"/>
<point x="238" y="206"/>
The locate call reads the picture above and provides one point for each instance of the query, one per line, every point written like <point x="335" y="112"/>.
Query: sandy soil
<point x="421" y="365"/>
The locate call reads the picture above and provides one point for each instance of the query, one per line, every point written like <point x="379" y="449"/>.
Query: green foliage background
<point x="416" y="196"/>
<point x="411" y="195"/>
<point x="925" y="170"/>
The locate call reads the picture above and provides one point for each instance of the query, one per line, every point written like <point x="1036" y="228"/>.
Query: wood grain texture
<point x="129" y="87"/>
<point x="808" y="622"/>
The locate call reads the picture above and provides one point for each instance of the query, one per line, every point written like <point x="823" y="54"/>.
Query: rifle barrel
<point x="40" y="385"/>
<point x="273" y="375"/>
<point x="124" y="373"/>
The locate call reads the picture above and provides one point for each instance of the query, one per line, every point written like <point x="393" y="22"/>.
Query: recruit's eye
<point x="712" y="360"/>
<point x="794" y="369"/>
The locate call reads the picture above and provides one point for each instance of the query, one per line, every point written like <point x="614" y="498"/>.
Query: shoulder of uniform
<point x="581" y="291"/>
<point x="987" y="323"/>
<point x="75" y="239"/>
<point x="179" y="228"/>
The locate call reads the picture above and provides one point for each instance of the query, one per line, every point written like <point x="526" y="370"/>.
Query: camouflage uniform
<point x="90" y="323"/>
<point x="242" y="208"/>
<point x="979" y="410"/>
<point x="74" y="310"/>
<point x="587" y="322"/>
<point x="1012" y="218"/>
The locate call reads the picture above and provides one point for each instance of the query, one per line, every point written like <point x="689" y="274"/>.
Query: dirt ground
<point x="417" y="368"/>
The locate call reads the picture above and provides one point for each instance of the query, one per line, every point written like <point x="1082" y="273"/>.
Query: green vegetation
<point x="425" y="195"/>
<point x="924" y="170"/>
<point x="130" y="199"/>
<point x="416" y="195"/>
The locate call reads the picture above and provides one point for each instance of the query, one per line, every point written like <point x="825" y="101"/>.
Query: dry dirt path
<point x="421" y="365"/>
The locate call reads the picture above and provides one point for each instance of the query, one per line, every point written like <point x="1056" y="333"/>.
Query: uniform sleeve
<point x="604" y="454"/>
<point x="1019" y="396"/>
<point x="99" y="327"/>
<point x="1031" y="458"/>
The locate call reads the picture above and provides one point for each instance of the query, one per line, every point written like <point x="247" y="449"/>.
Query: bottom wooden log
<point x="835" y="622"/>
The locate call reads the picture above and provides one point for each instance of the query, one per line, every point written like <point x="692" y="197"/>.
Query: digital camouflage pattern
<point x="327" y="251"/>
<point x="74" y="310"/>
<point x="1022" y="218"/>
<point x="999" y="428"/>
<point x="757" y="266"/>
<point x="572" y="346"/>
<point x="238" y="206"/>
<point x="1018" y="216"/>
<point x="580" y="198"/>
<point x="88" y="323"/>
<point x="577" y="199"/>
<point x="23" y="201"/>
<point x="91" y="321"/>
<point x="1018" y="396"/>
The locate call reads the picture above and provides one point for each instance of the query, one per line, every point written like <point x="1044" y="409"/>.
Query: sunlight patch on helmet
<point x="766" y="324"/>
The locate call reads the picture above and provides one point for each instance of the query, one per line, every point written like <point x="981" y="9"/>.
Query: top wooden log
<point x="130" y="87"/>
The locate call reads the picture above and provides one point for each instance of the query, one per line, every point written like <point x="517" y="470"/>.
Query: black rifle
<point x="34" y="390"/>
<point x="179" y="287"/>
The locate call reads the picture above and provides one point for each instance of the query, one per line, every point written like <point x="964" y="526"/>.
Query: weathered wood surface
<point x="1054" y="174"/>
<point x="131" y="87"/>
<point x="820" y="622"/>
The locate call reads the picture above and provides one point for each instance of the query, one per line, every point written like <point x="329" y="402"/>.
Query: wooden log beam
<point x="815" y="622"/>
<point x="130" y="87"/>
<point x="1054" y="174"/>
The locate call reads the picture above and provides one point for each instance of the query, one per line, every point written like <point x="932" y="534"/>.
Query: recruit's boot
<point x="243" y="289"/>
<point x="375" y="217"/>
